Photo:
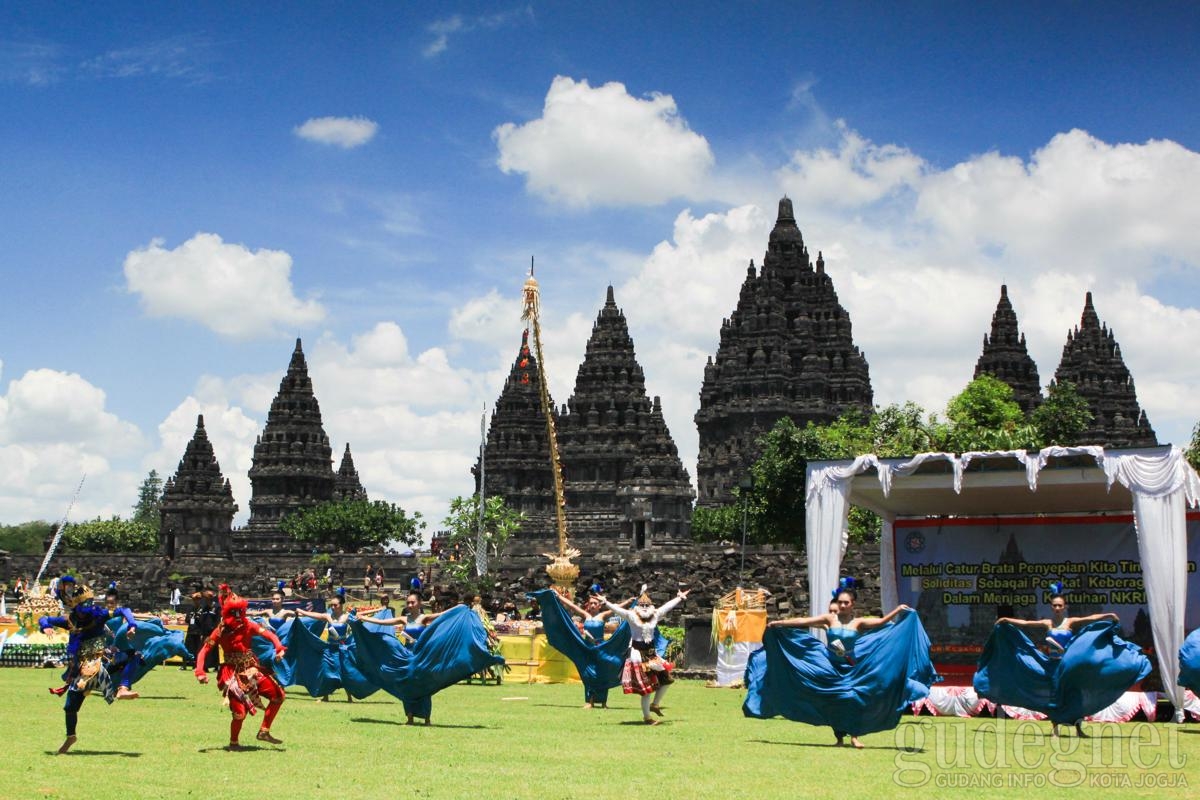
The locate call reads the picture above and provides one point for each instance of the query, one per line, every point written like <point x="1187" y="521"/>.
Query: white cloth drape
<point x="1161" y="481"/>
<point x="731" y="662"/>
<point x="827" y="505"/>
<point x="1161" y="488"/>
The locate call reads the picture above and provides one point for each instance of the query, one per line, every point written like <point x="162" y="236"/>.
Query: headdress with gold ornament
<point x="645" y="606"/>
<point x="72" y="592"/>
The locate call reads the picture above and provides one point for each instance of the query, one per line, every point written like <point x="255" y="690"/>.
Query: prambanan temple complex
<point x="786" y="349"/>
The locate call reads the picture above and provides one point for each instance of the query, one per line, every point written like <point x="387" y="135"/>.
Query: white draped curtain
<point x="1162" y="483"/>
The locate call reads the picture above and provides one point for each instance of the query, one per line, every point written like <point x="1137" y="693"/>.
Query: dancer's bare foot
<point x="1079" y="731"/>
<point x="657" y="710"/>
<point x="66" y="745"/>
<point x="587" y="705"/>
<point x="857" y="744"/>
<point x="650" y="721"/>
<point x="125" y="693"/>
<point x="264" y="735"/>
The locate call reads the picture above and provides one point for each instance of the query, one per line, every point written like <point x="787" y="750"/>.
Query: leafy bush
<point x="114" y="535"/>
<point x="27" y="538"/>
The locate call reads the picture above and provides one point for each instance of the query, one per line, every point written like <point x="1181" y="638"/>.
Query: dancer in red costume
<point x="246" y="684"/>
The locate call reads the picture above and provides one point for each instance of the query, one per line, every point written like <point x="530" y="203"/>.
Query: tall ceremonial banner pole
<point x="62" y="526"/>
<point x="481" y="556"/>
<point x="560" y="569"/>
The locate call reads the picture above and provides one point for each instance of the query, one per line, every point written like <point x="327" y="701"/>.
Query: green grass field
<point x="519" y="741"/>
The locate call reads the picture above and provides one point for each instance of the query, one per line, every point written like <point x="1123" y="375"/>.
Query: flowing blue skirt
<point x="321" y="666"/>
<point x="1189" y="662"/>
<point x="151" y="645"/>
<point x="451" y="648"/>
<point x="599" y="663"/>
<point x="794" y="676"/>
<point x="1096" y="669"/>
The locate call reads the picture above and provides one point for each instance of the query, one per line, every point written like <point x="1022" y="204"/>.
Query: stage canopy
<point x="1157" y="484"/>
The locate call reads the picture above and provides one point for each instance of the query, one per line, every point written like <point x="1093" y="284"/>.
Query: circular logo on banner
<point x="914" y="542"/>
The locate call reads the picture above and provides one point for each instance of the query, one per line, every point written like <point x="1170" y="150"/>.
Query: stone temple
<point x="786" y="351"/>
<point x="292" y="469"/>
<point x="517" y="453"/>
<point x="197" y="506"/>
<point x="1092" y="361"/>
<point x="625" y="483"/>
<point x="1006" y="358"/>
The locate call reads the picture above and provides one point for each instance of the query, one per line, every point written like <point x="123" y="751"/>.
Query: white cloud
<point x="602" y="146"/>
<point x="54" y="429"/>
<point x="236" y="292"/>
<point x="443" y="29"/>
<point x="344" y="132"/>
<point x="859" y="173"/>
<point x="1078" y="204"/>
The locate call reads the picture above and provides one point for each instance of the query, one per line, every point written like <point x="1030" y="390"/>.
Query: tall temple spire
<point x="787" y="350"/>
<point x="293" y="461"/>
<point x="516" y="449"/>
<point x="1092" y="361"/>
<point x="624" y="477"/>
<point x="197" y="504"/>
<point x="1006" y="358"/>
<point x="346" y="485"/>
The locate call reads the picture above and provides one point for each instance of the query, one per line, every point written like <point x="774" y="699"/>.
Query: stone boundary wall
<point x="708" y="570"/>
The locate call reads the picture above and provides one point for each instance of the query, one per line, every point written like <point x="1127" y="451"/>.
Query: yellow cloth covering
<point x="531" y="659"/>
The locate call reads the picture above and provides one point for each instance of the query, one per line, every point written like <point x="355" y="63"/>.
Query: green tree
<point x="27" y="538"/>
<point x="1193" y="451"/>
<point x="114" y="535"/>
<point x="1063" y="417"/>
<point x="462" y="535"/>
<point x="984" y="416"/>
<point x="351" y="525"/>
<point x="145" y="510"/>
<point x="712" y="523"/>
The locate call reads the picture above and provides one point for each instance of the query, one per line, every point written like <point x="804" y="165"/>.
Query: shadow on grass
<point x="643" y="724"/>
<point x="832" y="745"/>
<point x="567" y="705"/>
<point x="82" y="752"/>
<point x="404" y="724"/>
<point x="162" y="697"/>
<point x="246" y="748"/>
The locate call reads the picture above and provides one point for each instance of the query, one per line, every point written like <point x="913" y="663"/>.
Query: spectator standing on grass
<point x="176" y="599"/>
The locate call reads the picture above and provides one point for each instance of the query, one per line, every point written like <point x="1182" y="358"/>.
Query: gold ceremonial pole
<point x="560" y="569"/>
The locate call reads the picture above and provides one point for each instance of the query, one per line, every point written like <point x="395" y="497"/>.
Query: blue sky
<point x="186" y="189"/>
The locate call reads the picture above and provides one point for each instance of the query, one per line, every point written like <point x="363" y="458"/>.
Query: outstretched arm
<point x="867" y="623"/>
<point x="1025" y="623"/>
<point x="669" y="606"/>
<point x="315" y="615"/>
<point x="377" y="621"/>
<point x="620" y="611"/>
<point x="574" y="608"/>
<point x="1073" y="621"/>
<point x="820" y="621"/>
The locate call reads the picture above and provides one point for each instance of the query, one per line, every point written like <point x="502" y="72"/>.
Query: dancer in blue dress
<point x="449" y="649"/>
<point x="87" y="660"/>
<point x="1081" y="665"/>
<point x="133" y="654"/>
<point x="860" y="682"/>
<point x="598" y="660"/>
<point x="1189" y="662"/>
<point x="324" y="666"/>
